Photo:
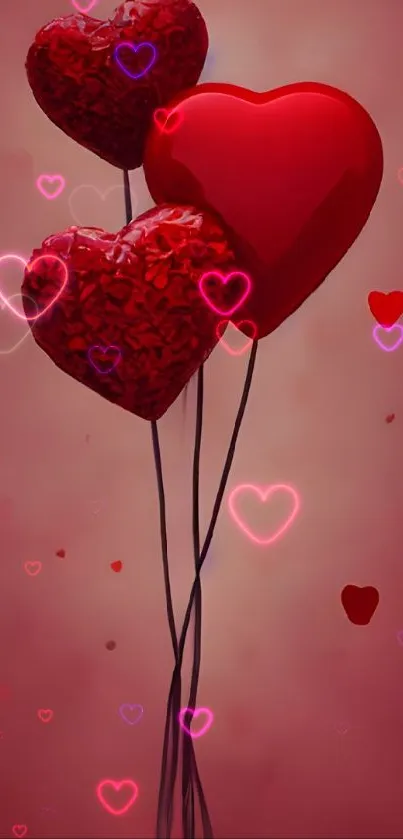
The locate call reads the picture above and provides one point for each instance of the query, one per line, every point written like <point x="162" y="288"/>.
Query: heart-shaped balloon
<point x="100" y="81"/>
<point x="130" y="323"/>
<point x="293" y="174"/>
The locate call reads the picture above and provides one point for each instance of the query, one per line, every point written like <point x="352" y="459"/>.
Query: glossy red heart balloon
<point x="130" y="322"/>
<point x="105" y="99"/>
<point x="293" y="174"/>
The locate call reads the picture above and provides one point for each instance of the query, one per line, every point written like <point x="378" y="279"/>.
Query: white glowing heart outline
<point x="30" y="265"/>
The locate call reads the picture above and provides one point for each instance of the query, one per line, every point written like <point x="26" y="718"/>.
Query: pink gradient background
<point x="308" y="732"/>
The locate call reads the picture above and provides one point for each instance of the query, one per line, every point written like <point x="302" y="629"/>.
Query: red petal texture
<point x="137" y="290"/>
<point x="77" y="82"/>
<point x="293" y="173"/>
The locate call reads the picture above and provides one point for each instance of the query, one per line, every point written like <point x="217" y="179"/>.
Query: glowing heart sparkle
<point x="32" y="568"/>
<point x="264" y="494"/>
<point x="108" y="786"/>
<point x="135" y="49"/>
<point x="82" y="8"/>
<point x="205" y="286"/>
<point x="378" y="332"/>
<point x="44" y="182"/>
<point x="167" y="121"/>
<point x="131" y="714"/>
<point x="235" y="327"/>
<point x="31" y="267"/>
<point x="197" y="712"/>
<point x="98" y="358"/>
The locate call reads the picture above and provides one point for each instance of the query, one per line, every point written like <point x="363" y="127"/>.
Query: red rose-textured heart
<point x="293" y="174"/>
<point x="78" y="83"/>
<point x="138" y="291"/>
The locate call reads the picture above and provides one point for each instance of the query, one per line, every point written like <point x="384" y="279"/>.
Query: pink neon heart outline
<point x="81" y="10"/>
<point x="117" y="786"/>
<point x="29" y="564"/>
<point x="42" y="712"/>
<point x="225" y="280"/>
<point x="25" y="335"/>
<point x="377" y="328"/>
<point x="196" y="712"/>
<point x="19" y="830"/>
<point x="264" y="493"/>
<point x="30" y="266"/>
<point x="226" y="346"/>
<point x="162" y="127"/>
<point x="50" y="178"/>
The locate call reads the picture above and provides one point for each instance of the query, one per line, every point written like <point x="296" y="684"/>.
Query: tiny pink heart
<point x="112" y="789"/>
<point x="198" y="712"/>
<point x="20" y="830"/>
<point x="33" y="568"/>
<point x="50" y="186"/>
<point x="83" y="7"/>
<point x="45" y="714"/>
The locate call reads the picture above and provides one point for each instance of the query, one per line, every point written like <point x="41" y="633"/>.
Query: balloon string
<point x="176" y="693"/>
<point x="190" y="775"/>
<point x="171" y="733"/>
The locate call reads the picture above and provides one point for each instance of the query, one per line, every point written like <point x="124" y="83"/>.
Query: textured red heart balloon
<point x="137" y="291"/>
<point x="292" y="173"/>
<point x="102" y="93"/>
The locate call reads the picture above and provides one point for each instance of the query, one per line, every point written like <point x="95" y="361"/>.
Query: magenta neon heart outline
<point x="196" y="712"/>
<point x="264" y="493"/>
<point x="117" y="786"/>
<point x="30" y="266"/>
<point x="134" y="48"/>
<point x="225" y="280"/>
<point x="50" y="178"/>
<point x="104" y="351"/>
<point x="387" y="329"/>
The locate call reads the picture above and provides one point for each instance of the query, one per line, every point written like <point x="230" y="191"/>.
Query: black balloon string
<point x="171" y="733"/>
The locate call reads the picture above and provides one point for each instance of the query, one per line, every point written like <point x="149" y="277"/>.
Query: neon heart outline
<point x="264" y="493"/>
<point x="102" y="195"/>
<point x="50" y="178"/>
<point x="226" y="346"/>
<point x="30" y="267"/>
<point x="131" y="707"/>
<point x="45" y="711"/>
<point x="104" y="351"/>
<point x="20" y="830"/>
<point x="117" y="786"/>
<point x="84" y="11"/>
<point x="378" y="340"/>
<point x="225" y="279"/>
<point x="18" y="344"/>
<point x="196" y="712"/>
<point x="134" y="49"/>
<point x="162" y="127"/>
<point x="29" y="564"/>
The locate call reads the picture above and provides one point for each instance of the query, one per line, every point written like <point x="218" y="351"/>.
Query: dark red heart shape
<point x="293" y="174"/>
<point x="360" y="603"/>
<point x="386" y="308"/>
<point x="137" y="290"/>
<point x="79" y="84"/>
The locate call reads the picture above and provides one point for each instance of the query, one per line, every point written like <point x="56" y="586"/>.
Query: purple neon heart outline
<point x="104" y="350"/>
<point x="135" y="49"/>
<point x="377" y="328"/>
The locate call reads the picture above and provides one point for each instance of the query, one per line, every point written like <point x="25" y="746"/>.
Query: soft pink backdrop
<point x="308" y="732"/>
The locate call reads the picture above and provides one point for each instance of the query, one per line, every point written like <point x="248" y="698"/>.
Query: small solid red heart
<point x="168" y="121"/>
<point x="61" y="553"/>
<point x="137" y="290"/>
<point x="77" y="81"/>
<point x="45" y="714"/>
<point x="117" y="565"/>
<point x="386" y="307"/>
<point x="389" y="418"/>
<point x="293" y="174"/>
<point x="359" y="603"/>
